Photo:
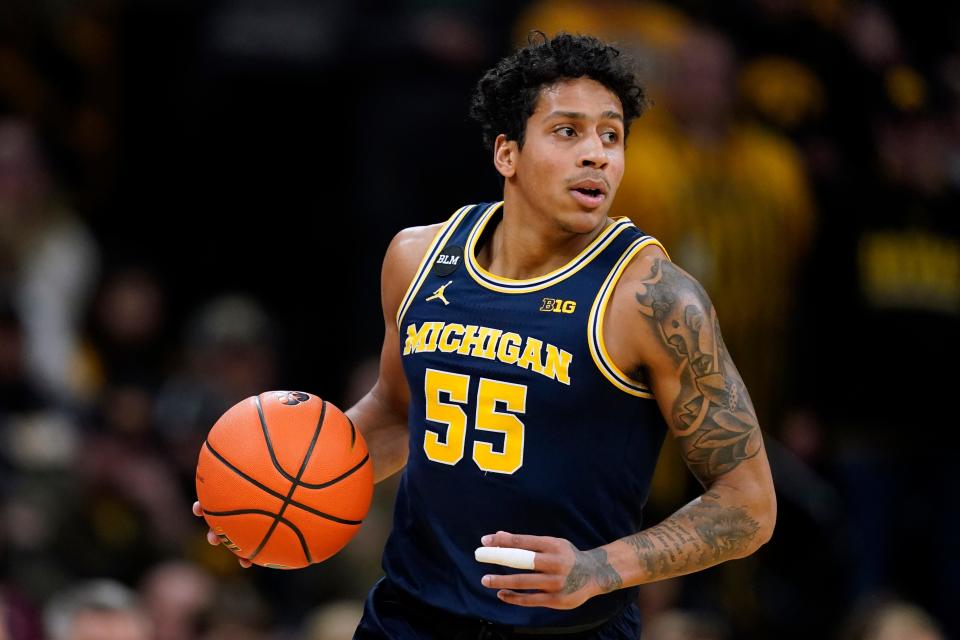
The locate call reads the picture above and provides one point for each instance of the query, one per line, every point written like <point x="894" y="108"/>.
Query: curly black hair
<point x="507" y="94"/>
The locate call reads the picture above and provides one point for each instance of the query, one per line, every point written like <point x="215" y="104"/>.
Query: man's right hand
<point x="212" y="537"/>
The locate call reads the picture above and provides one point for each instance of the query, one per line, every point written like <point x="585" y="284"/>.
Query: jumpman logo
<point x="438" y="294"/>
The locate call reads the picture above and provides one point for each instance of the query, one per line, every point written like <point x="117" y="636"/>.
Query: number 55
<point x="450" y="450"/>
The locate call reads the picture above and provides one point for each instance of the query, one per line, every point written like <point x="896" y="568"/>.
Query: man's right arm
<point x="381" y="415"/>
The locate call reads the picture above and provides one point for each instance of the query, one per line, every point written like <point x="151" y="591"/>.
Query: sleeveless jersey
<point x="519" y="421"/>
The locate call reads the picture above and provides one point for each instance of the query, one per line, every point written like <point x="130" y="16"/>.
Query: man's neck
<point x="528" y="244"/>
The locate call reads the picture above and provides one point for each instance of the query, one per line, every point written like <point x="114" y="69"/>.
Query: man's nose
<point x="593" y="153"/>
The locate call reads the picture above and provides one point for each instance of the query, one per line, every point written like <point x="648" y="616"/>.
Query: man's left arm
<point x="664" y="314"/>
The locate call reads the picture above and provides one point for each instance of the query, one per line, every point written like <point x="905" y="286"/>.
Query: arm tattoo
<point x="713" y="417"/>
<point x="700" y="535"/>
<point x="592" y="564"/>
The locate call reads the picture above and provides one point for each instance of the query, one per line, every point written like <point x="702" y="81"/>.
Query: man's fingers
<point x="528" y="599"/>
<point x="518" y="541"/>
<point x="507" y="556"/>
<point x="213" y="539"/>
<point x="523" y="581"/>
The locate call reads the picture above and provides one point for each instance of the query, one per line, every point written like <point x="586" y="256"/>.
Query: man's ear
<point x="505" y="155"/>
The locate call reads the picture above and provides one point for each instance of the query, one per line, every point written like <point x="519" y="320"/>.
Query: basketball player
<point x="536" y="352"/>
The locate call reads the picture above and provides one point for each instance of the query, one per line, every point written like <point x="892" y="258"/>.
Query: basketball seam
<point x="276" y="494"/>
<point x="353" y="432"/>
<point x="240" y="512"/>
<point x="284" y="473"/>
<point x="266" y="436"/>
<point x="294" y="485"/>
<point x="324" y="485"/>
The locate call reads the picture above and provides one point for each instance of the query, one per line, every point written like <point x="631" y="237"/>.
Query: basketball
<point x="284" y="479"/>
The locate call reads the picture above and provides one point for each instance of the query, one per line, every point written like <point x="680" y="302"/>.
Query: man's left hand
<point x="563" y="577"/>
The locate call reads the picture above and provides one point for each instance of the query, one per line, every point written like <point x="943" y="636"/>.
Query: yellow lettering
<point x="417" y="338"/>
<point x="531" y="355"/>
<point x="488" y="343"/>
<point x="430" y="344"/>
<point x="445" y="445"/>
<point x="446" y="344"/>
<point x="489" y="338"/>
<point x="471" y="340"/>
<point x="508" y="349"/>
<point x="558" y="364"/>
<point x="514" y="398"/>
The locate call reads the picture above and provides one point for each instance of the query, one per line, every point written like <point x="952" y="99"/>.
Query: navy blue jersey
<point x="519" y="421"/>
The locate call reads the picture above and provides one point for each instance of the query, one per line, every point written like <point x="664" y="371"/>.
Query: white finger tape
<point x="515" y="558"/>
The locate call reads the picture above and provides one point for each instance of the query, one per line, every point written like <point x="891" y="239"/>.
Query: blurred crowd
<point x="194" y="202"/>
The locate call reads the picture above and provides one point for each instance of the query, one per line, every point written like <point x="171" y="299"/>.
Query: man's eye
<point x="611" y="136"/>
<point x="567" y="132"/>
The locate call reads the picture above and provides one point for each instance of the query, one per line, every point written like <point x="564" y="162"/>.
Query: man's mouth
<point x="589" y="193"/>
<point x="593" y="193"/>
<point x="588" y="197"/>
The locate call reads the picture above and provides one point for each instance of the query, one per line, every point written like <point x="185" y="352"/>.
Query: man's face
<point x="571" y="162"/>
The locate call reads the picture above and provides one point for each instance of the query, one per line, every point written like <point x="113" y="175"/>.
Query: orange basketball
<point x="284" y="479"/>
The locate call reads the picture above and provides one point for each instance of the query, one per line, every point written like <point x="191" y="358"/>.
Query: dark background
<point x="195" y="198"/>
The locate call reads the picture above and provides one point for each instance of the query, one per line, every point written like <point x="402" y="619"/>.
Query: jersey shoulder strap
<point x="440" y="240"/>
<point x="598" y="350"/>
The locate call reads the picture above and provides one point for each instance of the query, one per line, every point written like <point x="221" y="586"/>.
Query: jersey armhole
<point x="436" y="245"/>
<point x="598" y="349"/>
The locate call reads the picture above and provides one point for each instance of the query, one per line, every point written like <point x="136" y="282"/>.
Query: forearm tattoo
<point x="700" y="535"/>
<point x="592" y="564"/>
<point x="713" y="416"/>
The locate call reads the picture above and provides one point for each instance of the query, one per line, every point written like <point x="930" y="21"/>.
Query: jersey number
<point x="449" y="450"/>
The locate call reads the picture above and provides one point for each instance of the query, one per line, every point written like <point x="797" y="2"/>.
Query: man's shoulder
<point x="653" y="268"/>
<point x="406" y="250"/>
<point x="654" y="295"/>
<point x="643" y="265"/>
<point x="413" y="240"/>
<point x="412" y="243"/>
<point x="405" y="254"/>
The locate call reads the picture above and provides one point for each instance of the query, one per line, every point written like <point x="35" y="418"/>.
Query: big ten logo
<point x="292" y="398"/>
<point x="555" y="305"/>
